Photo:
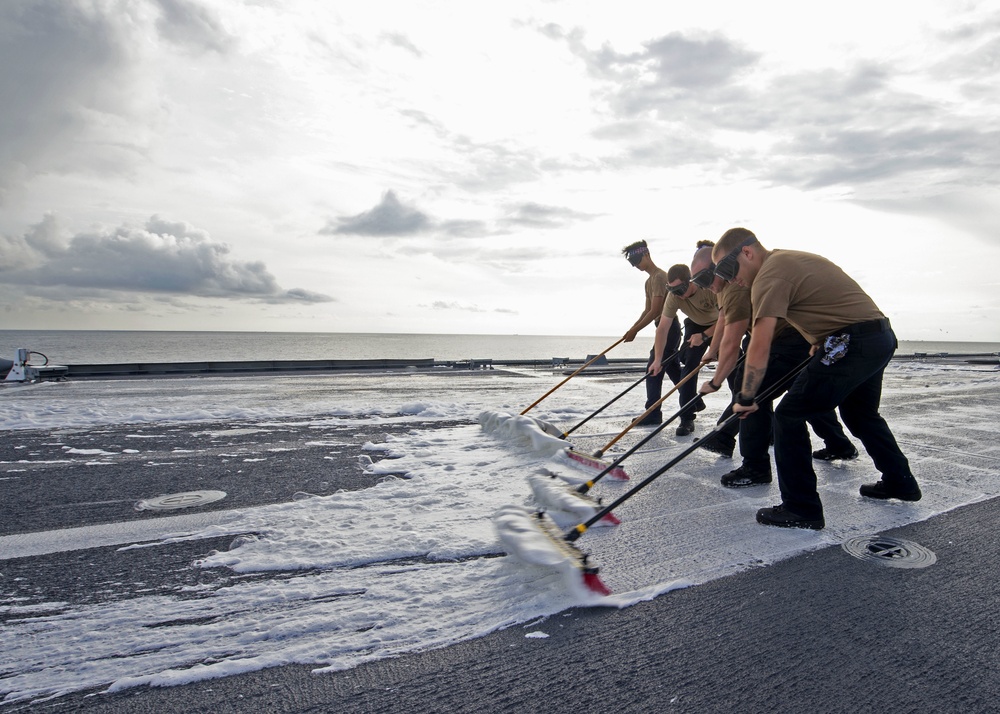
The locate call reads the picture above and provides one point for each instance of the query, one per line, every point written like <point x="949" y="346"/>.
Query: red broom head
<point x="593" y="582"/>
<point x="611" y="519"/>
<point x="591" y="462"/>
<point x="618" y="473"/>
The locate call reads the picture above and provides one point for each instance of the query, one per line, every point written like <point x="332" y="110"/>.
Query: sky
<point x="449" y="167"/>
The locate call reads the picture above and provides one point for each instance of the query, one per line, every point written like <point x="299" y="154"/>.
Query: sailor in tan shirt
<point x="852" y="342"/>
<point x="734" y="320"/>
<point x="639" y="257"/>
<point x="702" y="313"/>
<point x="788" y="349"/>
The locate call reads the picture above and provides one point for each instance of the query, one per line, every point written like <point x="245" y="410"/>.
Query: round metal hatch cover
<point x="173" y="501"/>
<point x="891" y="552"/>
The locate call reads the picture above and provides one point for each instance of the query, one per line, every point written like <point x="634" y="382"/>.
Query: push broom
<point x="553" y="495"/>
<point x="628" y="389"/>
<point x="593" y="461"/>
<point x="561" y="550"/>
<point x="556" y="496"/>
<point x="546" y="427"/>
<point x="585" y="365"/>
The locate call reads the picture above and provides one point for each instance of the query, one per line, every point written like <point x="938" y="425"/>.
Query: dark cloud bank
<point x="162" y="257"/>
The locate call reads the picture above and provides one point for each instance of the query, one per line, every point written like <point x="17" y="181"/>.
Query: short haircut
<point x="678" y="272"/>
<point x="732" y="238"/>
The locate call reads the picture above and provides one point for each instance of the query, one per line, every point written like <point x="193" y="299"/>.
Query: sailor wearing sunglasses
<point x="702" y="311"/>
<point x="734" y="320"/>
<point x="788" y="349"/>
<point x="852" y="342"/>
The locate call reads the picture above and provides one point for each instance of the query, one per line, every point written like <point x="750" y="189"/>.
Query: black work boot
<point x="831" y="455"/>
<point x="906" y="491"/>
<point x="746" y="476"/>
<point x="652" y="419"/>
<point x="686" y="427"/>
<point x="783" y="518"/>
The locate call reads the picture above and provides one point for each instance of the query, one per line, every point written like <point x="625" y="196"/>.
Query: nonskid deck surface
<point x="421" y="475"/>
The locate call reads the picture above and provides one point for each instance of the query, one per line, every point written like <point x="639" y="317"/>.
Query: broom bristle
<point x="593" y="582"/>
<point x="518" y="528"/>
<point x="617" y="472"/>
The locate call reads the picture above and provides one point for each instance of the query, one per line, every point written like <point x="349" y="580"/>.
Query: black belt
<point x="866" y="328"/>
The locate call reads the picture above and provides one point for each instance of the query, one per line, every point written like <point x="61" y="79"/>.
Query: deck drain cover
<point x="891" y="552"/>
<point x="173" y="501"/>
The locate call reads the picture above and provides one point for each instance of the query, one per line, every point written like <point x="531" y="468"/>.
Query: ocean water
<point x="71" y="347"/>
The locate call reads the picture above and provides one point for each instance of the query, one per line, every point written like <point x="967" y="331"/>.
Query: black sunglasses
<point x="704" y="277"/>
<point x="729" y="266"/>
<point x="680" y="288"/>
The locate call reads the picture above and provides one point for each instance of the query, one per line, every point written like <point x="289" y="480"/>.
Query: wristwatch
<point x="744" y="401"/>
<point x="713" y="386"/>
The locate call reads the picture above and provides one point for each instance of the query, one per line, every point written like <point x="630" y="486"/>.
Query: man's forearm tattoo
<point x="751" y="380"/>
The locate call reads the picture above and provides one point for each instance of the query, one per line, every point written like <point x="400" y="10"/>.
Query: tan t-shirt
<point x="700" y="307"/>
<point x="734" y="303"/>
<point x="814" y="294"/>
<point x="656" y="286"/>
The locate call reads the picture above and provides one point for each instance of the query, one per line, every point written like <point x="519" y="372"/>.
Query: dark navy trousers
<point x="690" y="358"/>
<point x="755" y="431"/>
<point x="654" y="385"/>
<point x="852" y="383"/>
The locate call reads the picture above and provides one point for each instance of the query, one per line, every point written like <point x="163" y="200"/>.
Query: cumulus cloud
<point x="696" y="62"/>
<point x="389" y="218"/>
<point x="666" y="67"/>
<point x="165" y="257"/>
<point x="462" y="241"/>
<point x="672" y="65"/>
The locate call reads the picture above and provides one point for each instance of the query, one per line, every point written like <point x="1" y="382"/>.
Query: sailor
<point x="788" y="349"/>
<point x="734" y="320"/>
<point x="639" y="257"/>
<point x="852" y="342"/>
<point x="702" y="312"/>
